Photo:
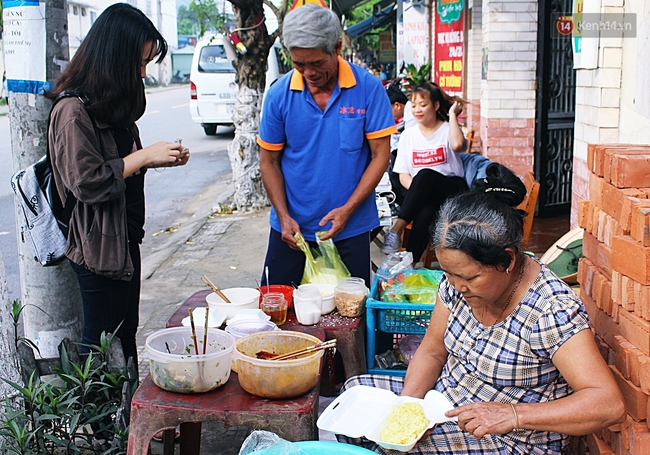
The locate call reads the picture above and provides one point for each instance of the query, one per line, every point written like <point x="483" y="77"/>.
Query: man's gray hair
<point x="311" y="27"/>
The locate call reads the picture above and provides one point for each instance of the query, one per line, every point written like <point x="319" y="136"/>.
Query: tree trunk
<point x="244" y="152"/>
<point x="251" y="78"/>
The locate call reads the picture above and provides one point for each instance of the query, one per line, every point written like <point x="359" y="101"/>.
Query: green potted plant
<point x="417" y="76"/>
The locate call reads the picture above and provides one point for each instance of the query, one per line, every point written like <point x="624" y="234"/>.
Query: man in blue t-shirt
<point x="324" y="144"/>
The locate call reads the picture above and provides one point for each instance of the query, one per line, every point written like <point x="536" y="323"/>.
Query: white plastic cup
<point x="326" y="292"/>
<point x="307" y="303"/>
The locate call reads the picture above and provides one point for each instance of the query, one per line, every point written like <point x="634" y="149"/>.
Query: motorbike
<point x="179" y="78"/>
<point x="150" y="81"/>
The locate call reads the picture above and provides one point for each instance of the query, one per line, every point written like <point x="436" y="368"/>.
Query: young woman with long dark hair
<point x="99" y="160"/>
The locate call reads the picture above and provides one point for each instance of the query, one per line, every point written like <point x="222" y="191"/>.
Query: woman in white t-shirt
<point x="428" y="164"/>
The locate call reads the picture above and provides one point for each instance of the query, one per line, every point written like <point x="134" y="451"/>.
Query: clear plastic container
<point x="175" y="366"/>
<point x="277" y="379"/>
<point x="350" y="297"/>
<point x="240" y="329"/>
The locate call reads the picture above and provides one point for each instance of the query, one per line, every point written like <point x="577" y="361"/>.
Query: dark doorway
<point x="555" y="116"/>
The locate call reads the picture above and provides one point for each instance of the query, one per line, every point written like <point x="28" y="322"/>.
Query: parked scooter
<point x="179" y="78"/>
<point x="150" y="81"/>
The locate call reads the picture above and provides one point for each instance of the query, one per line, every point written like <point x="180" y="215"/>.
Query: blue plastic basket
<point x="397" y="318"/>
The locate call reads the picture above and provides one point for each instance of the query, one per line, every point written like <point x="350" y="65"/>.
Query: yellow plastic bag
<point x="323" y="264"/>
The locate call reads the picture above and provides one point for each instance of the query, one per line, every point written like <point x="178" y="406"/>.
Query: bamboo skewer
<point x="196" y="346"/>
<point x="307" y="350"/>
<point x="217" y="291"/>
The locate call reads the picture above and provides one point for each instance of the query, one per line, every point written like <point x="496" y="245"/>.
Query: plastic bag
<point x="411" y="286"/>
<point x="323" y="264"/>
<point x="389" y="361"/>
<point x="406" y="347"/>
<point x="268" y="443"/>
<point x="394" y="264"/>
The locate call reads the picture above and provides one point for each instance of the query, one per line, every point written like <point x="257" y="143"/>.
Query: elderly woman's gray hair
<point x="311" y="27"/>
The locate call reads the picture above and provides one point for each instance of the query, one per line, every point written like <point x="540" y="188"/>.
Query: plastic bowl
<point x="239" y="329"/>
<point x="276" y="379"/>
<point x="286" y="290"/>
<point x="175" y="366"/>
<point x="240" y="298"/>
<point x="242" y="328"/>
<point x="327" y="291"/>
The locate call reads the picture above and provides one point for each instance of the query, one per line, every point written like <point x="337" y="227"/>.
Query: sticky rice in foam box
<point x="364" y="411"/>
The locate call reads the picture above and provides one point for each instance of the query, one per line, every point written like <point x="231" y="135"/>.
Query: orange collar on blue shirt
<point x="346" y="77"/>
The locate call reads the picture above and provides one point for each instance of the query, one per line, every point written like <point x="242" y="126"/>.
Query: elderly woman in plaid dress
<point x="509" y="343"/>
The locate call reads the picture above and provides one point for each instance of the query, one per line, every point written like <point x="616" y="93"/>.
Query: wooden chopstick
<point x="196" y="346"/>
<point x="307" y="350"/>
<point x="205" y="329"/>
<point x="217" y="291"/>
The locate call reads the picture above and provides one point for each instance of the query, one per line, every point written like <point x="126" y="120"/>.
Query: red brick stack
<point x="614" y="278"/>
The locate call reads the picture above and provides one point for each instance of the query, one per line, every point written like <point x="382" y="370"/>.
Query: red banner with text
<point x="450" y="45"/>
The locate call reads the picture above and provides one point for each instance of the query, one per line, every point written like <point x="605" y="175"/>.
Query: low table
<point x="349" y="334"/>
<point x="154" y="409"/>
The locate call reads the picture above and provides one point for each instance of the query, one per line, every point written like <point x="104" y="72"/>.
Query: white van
<point x="212" y="81"/>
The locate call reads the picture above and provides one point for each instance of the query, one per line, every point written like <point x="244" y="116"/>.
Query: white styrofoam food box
<point x="363" y="411"/>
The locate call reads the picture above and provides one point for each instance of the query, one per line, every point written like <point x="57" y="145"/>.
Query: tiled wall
<point x="473" y="70"/>
<point x="507" y="106"/>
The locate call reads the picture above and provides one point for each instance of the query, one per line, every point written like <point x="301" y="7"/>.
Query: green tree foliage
<point x="362" y="12"/>
<point x="187" y="21"/>
<point x="207" y="16"/>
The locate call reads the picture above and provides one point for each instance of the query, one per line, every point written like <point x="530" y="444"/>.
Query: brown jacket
<point x="98" y="237"/>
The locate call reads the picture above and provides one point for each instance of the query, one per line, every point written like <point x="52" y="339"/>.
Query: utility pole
<point x="36" y="52"/>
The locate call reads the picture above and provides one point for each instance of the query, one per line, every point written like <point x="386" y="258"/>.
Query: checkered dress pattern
<point x="510" y="362"/>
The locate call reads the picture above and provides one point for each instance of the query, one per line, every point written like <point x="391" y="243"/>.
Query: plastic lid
<point x="352" y="285"/>
<point x="246" y="327"/>
<point x="249" y="315"/>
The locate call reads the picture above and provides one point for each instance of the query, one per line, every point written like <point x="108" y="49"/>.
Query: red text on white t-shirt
<point x="429" y="157"/>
